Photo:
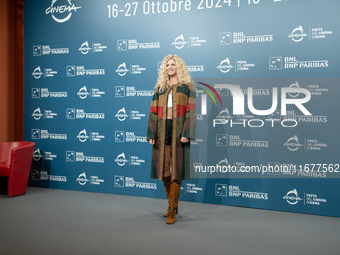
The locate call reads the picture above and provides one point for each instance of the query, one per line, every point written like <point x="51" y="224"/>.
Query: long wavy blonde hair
<point x="182" y="73"/>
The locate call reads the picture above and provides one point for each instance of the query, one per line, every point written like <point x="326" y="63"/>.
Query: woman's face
<point x="171" y="67"/>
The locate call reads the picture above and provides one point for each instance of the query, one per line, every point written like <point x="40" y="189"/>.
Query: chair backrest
<point x="6" y="148"/>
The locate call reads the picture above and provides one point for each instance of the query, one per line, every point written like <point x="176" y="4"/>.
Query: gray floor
<point x="46" y="221"/>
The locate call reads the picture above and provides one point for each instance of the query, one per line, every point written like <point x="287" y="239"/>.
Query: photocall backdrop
<point x="268" y="138"/>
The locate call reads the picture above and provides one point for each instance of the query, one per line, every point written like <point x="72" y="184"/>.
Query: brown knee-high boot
<point x="175" y="189"/>
<point x="167" y="182"/>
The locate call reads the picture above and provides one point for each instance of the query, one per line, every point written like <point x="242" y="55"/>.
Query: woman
<point x="172" y="123"/>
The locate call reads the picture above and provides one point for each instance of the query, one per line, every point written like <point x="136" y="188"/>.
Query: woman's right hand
<point x="152" y="142"/>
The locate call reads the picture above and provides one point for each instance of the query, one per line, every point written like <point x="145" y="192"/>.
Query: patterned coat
<point x="184" y="125"/>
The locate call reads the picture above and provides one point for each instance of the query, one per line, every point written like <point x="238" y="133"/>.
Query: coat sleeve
<point x="153" y="117"/>
<point x="189" y="127"/>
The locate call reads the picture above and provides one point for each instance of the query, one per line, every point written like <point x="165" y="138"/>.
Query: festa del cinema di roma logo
<point x="238" y="101"/>
<point x="62" y="12"/>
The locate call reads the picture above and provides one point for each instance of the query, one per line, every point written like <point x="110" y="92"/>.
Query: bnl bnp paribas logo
<point x="239" y="108"/>
<point x="61" y="10"/>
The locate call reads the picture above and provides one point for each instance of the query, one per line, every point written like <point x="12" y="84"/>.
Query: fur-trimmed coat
<point x="184" y="125"/>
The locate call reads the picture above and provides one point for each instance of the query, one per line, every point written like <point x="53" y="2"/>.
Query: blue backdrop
<point x="90" y="71"/>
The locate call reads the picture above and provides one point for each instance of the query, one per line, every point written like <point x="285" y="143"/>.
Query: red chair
<point x="15" y="163"/>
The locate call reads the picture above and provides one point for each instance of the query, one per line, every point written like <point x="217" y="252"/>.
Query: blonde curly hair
<point x="182" y="73"/>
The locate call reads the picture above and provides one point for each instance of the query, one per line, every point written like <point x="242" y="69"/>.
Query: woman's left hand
<point x="184" y="140"/>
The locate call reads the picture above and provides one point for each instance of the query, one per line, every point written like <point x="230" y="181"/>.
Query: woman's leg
<point x="166" y="182"/>
<point x="167" y="173"/>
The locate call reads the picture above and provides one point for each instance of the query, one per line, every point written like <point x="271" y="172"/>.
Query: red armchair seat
<point x="15" y="163"/>
<point x="4" y="170"/>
